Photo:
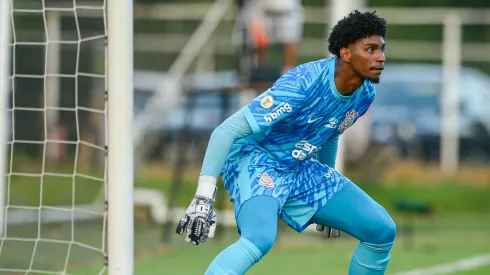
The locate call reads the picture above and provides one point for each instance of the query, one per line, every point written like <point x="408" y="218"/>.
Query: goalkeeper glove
<point x="199" y="221"/>
<point x="328" y="232"/>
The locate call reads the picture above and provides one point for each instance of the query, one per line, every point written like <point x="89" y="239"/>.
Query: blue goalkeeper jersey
<point x="299" y="113"/>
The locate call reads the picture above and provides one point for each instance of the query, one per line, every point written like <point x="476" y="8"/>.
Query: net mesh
<point x="55" y="181"/>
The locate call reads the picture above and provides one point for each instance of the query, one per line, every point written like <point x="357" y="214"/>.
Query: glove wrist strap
<point x="206" y="187"/>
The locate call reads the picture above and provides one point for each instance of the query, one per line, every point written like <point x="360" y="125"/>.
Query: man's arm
<point x="283" y="99"/>
<point x="199" y="221"/>
<point x="220" y="142"/>
<point x="329" y="151"/>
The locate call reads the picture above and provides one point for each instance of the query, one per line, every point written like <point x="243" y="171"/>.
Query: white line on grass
<point x="449" y="268"/>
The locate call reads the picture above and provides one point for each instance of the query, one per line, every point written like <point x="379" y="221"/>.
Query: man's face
<point x="367" y="57"/>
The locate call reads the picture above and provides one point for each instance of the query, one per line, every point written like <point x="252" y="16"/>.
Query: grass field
<point x="460" y="228"/>
<point x="438" y="240"/>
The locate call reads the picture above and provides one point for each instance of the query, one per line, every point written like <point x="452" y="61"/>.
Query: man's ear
<point x="345" y="55"/>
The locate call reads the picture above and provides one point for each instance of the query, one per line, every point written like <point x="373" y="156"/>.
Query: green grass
<point x="479" y="271"/>
<point x="458" y="230"/>
<point x="58" y="191"/>
<point x="449" y="197"/>
<point x="442" y="239"/>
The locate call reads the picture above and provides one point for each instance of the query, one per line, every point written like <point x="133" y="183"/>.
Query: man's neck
<point x="346" y="80"/>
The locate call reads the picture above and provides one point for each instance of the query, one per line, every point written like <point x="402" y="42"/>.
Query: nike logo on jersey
<point x="313" y="120"/>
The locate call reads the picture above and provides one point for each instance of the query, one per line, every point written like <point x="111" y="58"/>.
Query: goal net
<point x="54" y="215"/>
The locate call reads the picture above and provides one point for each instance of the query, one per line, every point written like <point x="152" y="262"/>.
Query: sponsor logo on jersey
<point x="304" y="150"/>
<point x="267" y="101"/>
<point x="266" y="180"/>
<point x="329" y="172"/>
<point x="278" y="111"/>
<point x="348" y="121"/>
<point x="332" y="123"/>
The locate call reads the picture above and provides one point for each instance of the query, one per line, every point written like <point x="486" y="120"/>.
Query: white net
<point x="55" y="184"/>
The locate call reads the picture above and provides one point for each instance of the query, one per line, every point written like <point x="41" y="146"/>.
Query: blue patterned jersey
<point x="299" y="113"/>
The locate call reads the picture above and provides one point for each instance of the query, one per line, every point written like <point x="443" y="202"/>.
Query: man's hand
<point x="328" y="232"/>
<point x="199" y="221"/>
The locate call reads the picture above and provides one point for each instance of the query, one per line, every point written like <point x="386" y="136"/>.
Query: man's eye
<point x="370" y="50"/>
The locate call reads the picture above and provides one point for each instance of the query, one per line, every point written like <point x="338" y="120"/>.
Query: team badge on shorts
<point x="266" y="180"/>
<point x="348" y="121"/>
<point x="267" y="102"/>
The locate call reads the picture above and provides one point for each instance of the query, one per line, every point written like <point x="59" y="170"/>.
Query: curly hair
<point x="353" y="27"/>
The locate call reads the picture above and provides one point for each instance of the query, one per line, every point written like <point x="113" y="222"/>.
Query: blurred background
<point x="422" y="150"/>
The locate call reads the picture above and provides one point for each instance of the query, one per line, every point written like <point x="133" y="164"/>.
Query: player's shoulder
<point x="311" y="69"/>
<point x="303" y="75"/>
<point x="315" y="66"/>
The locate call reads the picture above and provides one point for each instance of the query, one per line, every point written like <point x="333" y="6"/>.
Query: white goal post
<point x="4" y="91"/>
<point x="120" y="181"/>
<point x="25" y="249"/>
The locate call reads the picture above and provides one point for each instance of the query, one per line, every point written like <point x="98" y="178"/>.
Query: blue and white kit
<point x="301" y="113"/>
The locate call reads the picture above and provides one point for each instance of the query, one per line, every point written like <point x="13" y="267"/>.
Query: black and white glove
<point x="328" y="232"/>
<point x="199" y="221"/>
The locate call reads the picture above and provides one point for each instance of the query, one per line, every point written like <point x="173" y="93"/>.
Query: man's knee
<point x="262" y="239"/>
<point x="388" y="231"/>
<point x="258" y="226"/>
<point x="382" y="230"/>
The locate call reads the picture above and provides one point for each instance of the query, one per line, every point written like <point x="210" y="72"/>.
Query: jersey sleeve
<point x="233" y="128"/>
<point x="284" y="99"/>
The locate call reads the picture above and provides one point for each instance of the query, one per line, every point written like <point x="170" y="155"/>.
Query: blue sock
<point x="370" y="259"/>
<point x="236" y="259"/>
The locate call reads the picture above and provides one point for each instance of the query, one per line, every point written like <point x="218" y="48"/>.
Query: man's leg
<point x="257" y="221"/>
<point x="353" y="211"/>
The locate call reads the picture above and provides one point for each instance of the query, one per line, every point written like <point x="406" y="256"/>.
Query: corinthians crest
<point x="348" y="121"/>
<point x="266" y="180"/>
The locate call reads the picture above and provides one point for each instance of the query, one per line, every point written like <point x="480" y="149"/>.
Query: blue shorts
<point x="300" y="192"/>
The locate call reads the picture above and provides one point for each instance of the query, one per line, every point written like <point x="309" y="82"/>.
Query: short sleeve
<point x="284" y="99"/>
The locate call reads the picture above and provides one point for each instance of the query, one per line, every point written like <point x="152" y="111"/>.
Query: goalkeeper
<point x="266" y="155"/>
